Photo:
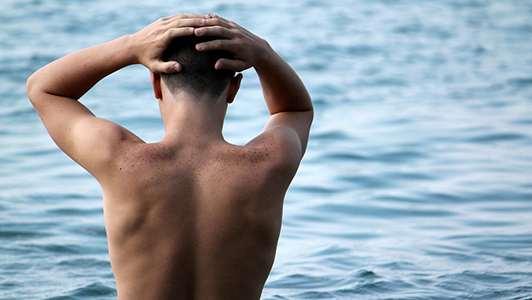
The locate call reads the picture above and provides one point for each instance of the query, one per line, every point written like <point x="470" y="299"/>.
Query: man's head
<point x="198" y="76"/>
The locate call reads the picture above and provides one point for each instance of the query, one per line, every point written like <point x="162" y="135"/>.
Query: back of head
<point x="198" y="75"/>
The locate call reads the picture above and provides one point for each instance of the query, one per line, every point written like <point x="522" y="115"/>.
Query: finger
<point x="214" y="45"/>
<point x="217" y="31"/>
<point x="231" y="64"/>
<point x="190" y="15"/>
<point x="166" y="67"/>
<point x="225" y="20"/>
<point x="214" y="16"/>
<point x="179" y="32"/>
<point x="181" y="16"/>
<point x="189" y="22"/>
<point x="216" y="21"/>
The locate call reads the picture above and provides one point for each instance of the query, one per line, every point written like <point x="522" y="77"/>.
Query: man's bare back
<point x="190" y="217"/>
<point x="189" y="221"/>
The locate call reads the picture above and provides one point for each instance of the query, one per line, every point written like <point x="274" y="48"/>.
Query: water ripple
<point x="88" y="292"/>
<point x="416" y="182"/>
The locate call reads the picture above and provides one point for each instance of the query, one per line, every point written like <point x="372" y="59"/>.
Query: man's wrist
<point x="128" y="50"/>
<point x="265" y="57"/>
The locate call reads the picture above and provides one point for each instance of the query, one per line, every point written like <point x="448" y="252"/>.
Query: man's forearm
<point x="73" y="75"/>
<point x="282" y="88"/>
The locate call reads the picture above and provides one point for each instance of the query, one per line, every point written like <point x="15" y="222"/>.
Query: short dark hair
<point x="198" y="75"/>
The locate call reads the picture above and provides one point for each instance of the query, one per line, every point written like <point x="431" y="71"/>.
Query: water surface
<point x="416" y="184"/>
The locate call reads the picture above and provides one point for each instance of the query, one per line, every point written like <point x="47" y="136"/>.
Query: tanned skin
<point x="191" y="216"/>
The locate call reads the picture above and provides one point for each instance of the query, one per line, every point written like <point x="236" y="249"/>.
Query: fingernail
<point x="199" y="47"/>
<point x="177" y="67"/>
<point x="199" y="31"/>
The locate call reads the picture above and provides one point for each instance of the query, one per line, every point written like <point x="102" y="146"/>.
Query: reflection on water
<point x="416" y="184"/>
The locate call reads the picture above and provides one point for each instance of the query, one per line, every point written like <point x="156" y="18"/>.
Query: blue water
<point x="417" y="183"/>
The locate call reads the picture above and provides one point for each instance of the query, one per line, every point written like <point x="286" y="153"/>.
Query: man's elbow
<point x="309" y="113"/>
<point x="32" y="88"/>
<point x="309" y="109"/>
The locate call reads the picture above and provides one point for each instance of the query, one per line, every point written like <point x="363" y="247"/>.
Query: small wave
<point x="363" y="50"/>
<point x="439" y="197"/>
<point x="349" y="210"/>
<point x="495" y="241"/>
<point x="401" y="156"/>
<point x="330" y="250"/>
<point x="16" y="112"/>
<point x="304" y="281"/>
<point x="410" y="176"/>
<point x="88" y="292"/>
<point x="314" y="189"/>
<point x="376" y="287"/>
<point x="75" y="211"/>
<point x="55" y="248"/>
<point x="384" y="82"/>
<point x="525" y="121"/>
<point x="315" y="295"/>
<point x="366" y="274"/>
<point x="328" y="89"/>
<point x="84" y="263"/>
<point x="95" y="231"/>
<point x="482" y="277"/>
<point x="341" y="156"/>
<point x="520" y="83"/>
<point x="331" y="135"/>
<point x="55" y="196"/>
<point x="37" y="152"/>
<point x="490" y="223"/>
<point x="25" y="231"/>
<point x="18" y="235"/>
<point x="370" y="182"/>
<point x="497" y="137"/>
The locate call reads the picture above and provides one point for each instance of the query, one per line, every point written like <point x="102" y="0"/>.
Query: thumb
<point x="166" y="67"/>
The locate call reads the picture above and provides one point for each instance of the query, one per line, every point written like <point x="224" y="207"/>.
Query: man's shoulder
<point x="280" y="145"/>
<point x="98" y="143"/>
<point x="267" y="155"/>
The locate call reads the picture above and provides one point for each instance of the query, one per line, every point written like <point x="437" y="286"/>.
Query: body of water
<point x="417" y="182"/>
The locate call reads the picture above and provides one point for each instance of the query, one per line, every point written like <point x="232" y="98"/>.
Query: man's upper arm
<point x="290" y="129"/>
<point x="88" y="140"/>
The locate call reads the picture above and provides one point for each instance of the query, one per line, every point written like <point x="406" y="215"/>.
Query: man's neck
<point x="190" y="121"/>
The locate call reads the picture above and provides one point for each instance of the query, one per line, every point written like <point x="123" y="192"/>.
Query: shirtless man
<point x="192" y="216"/>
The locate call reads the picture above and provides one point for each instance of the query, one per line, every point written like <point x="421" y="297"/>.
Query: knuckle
<point x="166" y="35"/>
<point x="214" y="44"/>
